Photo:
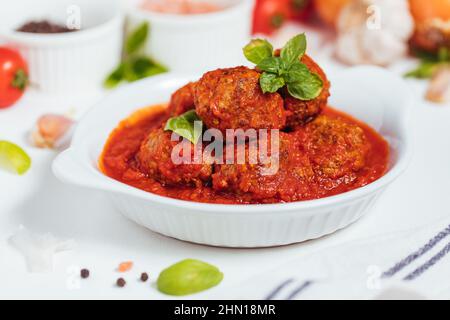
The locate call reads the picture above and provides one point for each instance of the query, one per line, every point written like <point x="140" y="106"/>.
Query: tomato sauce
<point x="118" y="161"/>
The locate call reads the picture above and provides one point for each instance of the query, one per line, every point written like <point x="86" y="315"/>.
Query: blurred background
<point x="78" y="48"/>
<point x="59" y="57"/>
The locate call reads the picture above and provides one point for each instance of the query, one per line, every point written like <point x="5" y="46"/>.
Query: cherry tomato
<point x="300" y="9"/>
<point x="13" y="77"/>
<point x="270" y="15"/>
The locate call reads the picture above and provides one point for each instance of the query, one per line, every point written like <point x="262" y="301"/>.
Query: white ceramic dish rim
<point x="110" y="185"/>
<point x="193" y="19"/>
<point x="68" y="37"/>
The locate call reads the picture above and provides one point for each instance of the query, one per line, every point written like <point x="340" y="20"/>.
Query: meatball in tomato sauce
<point x="286" y="177"/>
<point x="337" y="150"/>
<point x="155" y="159"/>
<point x="232" y="99"/>
<point x="182" y="100"/>
<point x="299" y="111"/>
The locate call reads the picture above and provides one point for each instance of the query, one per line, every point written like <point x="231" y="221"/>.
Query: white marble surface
<point x="104" y="238"/>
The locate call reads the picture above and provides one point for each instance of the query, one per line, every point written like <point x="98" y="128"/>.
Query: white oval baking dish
<point x="371" y="94"/>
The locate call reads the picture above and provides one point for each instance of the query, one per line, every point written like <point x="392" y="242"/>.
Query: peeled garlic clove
<point x="439" y="88"/>
<point x="52" y="131"/>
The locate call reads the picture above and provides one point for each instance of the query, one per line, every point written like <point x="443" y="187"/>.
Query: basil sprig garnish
<point x="185" y="127"/>
<point x="429" y="63"/>
<point x="285" y="70"/>
<point x="135" y="65"/>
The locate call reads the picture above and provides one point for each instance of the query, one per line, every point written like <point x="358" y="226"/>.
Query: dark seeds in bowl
<point x="44" y="27"/>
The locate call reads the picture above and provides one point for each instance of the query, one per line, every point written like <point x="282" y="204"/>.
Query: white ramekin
<point x="371" y="94"/>
<point x="66" y="63"/>
<point x="196" y="43"/>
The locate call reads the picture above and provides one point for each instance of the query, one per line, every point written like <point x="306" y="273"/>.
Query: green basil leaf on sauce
<point x="293" y="50"/>
<point x="258" y="50"/>
<point x="188" y="277"/>
<point x="270" y="82"/>
<point x="137" y="39"/>
<point x="185" y="127"/>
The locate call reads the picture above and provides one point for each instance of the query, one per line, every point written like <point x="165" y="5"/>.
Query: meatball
<point x="300" y="112"/>
<point x="233" y="99"/>
<point x="155" y="159"/>
<point x="288" y="178"/>
<point x="336" y="149"/>
<point x="182" y="100"/>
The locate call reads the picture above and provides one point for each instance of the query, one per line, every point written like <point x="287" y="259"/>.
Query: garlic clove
<point x="52" y="131"/>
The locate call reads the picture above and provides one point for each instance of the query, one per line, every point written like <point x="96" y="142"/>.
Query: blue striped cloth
<point x="413" y="264"/>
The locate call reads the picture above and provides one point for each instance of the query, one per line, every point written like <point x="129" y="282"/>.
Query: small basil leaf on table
<point x="271" y="64"/>
<point x="258" y="50"/>
<point x="188" y="277"/>
<point x="293" y="50"/>
<point x="184" y="126"/>
<point x="270" y="82"/>
<point x="137" y="39"/>
<point x="308" y="88"/>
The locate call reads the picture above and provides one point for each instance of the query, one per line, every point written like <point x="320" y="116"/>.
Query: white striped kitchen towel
<point x="412" y="264"/>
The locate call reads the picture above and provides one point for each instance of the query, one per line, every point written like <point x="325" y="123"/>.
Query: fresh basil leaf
<point x="308" y="88"/>
<point x="258" y="50"/>
<point x="185" y="127"/>
<point x="142" y="67"/>
<point x="424" y="71"/>
<point x="137" y="39"/>
<point x="297" y="72"/>
<point x="115" y="77"/>
<point x="293" y="50"/>
<point x="444" y="54"/>
<point x="270" y="82"/>
<point x="271" y="64"/>
<point x="188" y="277"/>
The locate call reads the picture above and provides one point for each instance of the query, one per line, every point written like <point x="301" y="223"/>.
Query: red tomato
<point x="270" y="15"/>
<point x="13" y="77"/>
<point x="300" y="9"/>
